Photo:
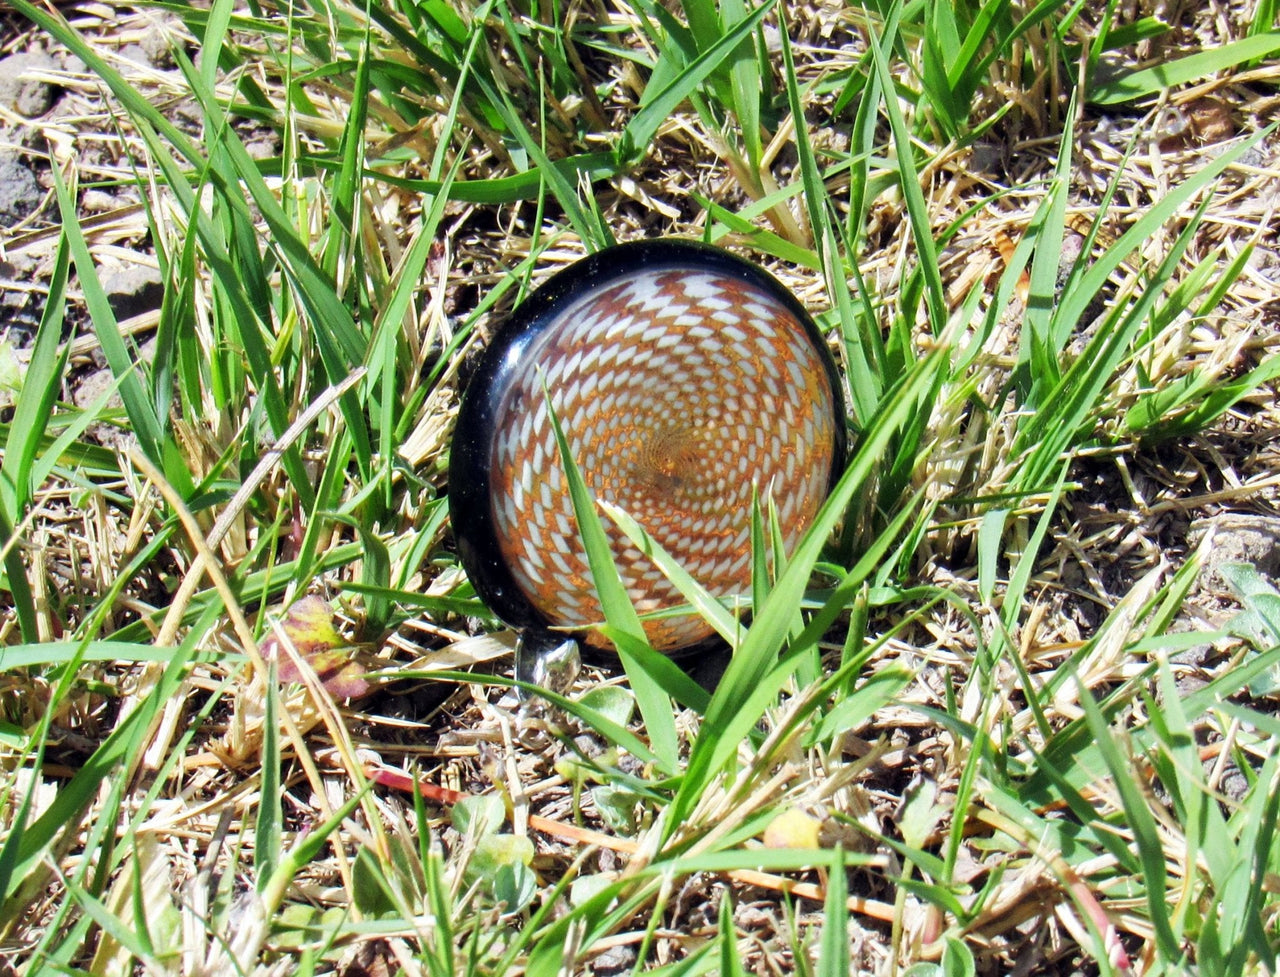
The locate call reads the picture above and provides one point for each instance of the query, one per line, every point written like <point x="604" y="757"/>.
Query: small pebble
<point x="20" y="192"/>
<point x="26" y="96"/>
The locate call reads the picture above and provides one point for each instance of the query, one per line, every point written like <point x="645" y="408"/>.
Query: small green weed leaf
<point x="919" y="813"/>
<point x="515" y="885"/>
<point x="614" y="702"/>
<point x="1259" y="621"/>
<point x="297" y="925"/>
<point x="617" y="806"/>
<point x="957" y="958"/>
<point x="371" y="889"/>
<point x="479" y="815"/>
<point x="577" y="771"/>
<point x="587" y="887"/>
<point x="501" y="862"/>
<point x="496" y="850"/>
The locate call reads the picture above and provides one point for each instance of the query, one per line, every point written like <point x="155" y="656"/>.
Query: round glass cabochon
<point x="686" y="380"/>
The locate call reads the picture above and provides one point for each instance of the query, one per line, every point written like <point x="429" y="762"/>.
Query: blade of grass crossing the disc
<point x="727" y="723"/>
<point x="708" y="607"/>
<point x="652" y="699"/>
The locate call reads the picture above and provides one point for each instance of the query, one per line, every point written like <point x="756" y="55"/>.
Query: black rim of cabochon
<point x="470" y="508"/>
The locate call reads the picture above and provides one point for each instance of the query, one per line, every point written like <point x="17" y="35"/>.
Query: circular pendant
<point x="688" y="382"/>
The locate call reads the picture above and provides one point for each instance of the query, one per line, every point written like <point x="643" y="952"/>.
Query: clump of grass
<point x="965" y="765"/>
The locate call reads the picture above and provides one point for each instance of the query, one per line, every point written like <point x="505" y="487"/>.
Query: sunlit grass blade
<point x="637" y="657"/>
<point x="1065" y="413"/>
<point x="909" y="183"/>
<point x="267" y="833"/>
<point x="727" y="722"/>
<point x="863" y="351"/>
<point x="658" y="107"/>
<point x="711" y="609"/>
<point x="1172" y="73"/>
<point x="67" y="809"/>
<point x="1139" y="819"/>
<point x="730" y="961"/>
<point x="142" y="416"/>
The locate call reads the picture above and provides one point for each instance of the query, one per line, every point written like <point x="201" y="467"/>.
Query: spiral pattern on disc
<point x="681" y="391"/>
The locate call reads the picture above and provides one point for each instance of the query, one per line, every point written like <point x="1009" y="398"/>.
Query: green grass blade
<point x="66" y="810"/>
<point x="913" y="196"/>
<point x="1171" y="74"/>
<point x="652" y="699"/>
<point x="642" y="128"/>
<point x="711" y="609"/>
<point x="268" y="833"/>
<point x="39" y="392"/>
<point x="862" y="354"/>
<point x="747" y="83"/>
<point x="142" y="416"/>
<point x="1138" y="817"/>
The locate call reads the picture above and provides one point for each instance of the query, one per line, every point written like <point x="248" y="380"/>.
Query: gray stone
<point x="1238" y="537"/>
<point x="26" y="96"/>
<point x="132" y="289"/>
<point x="20" y="193"/>
<point x="137" y="54"/>
<point x="158" y="40"/>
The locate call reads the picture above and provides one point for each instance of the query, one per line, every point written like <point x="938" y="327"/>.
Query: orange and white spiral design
<point x="681" y="392"/>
